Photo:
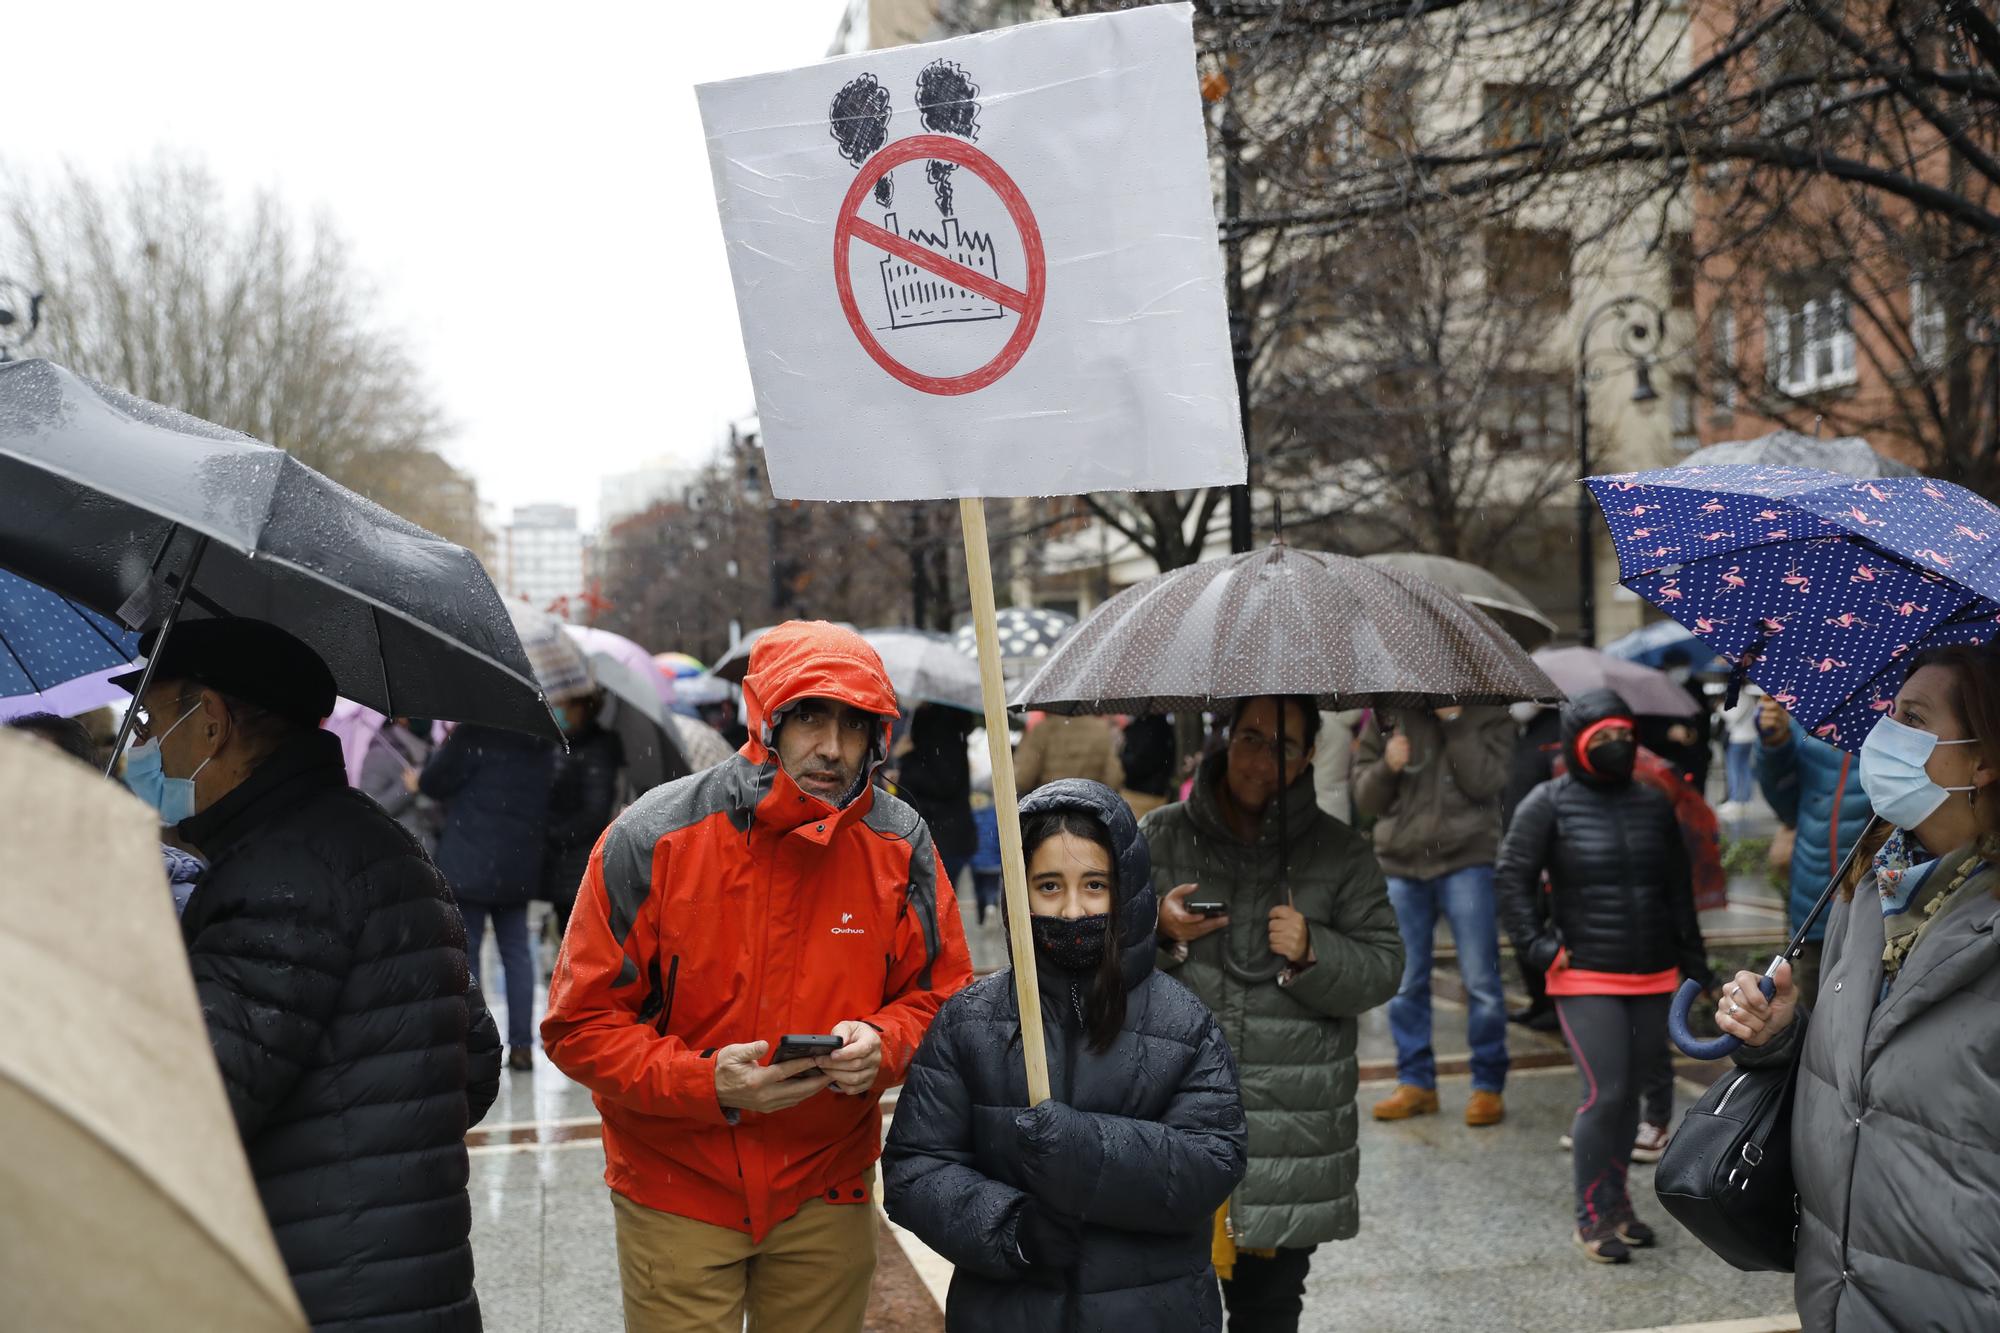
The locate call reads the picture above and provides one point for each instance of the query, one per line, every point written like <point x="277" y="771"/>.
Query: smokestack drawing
<point x="948" y="102"/>
<point x="859" y="122"/>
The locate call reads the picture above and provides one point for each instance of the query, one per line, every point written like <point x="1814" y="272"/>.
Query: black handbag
<point x="1727" y="1174"/>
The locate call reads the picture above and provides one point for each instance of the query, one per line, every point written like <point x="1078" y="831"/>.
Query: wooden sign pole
<point x="1013" y="872"/>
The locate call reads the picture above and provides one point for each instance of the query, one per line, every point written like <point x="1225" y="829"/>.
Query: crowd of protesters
<point x="1205" y="941"/>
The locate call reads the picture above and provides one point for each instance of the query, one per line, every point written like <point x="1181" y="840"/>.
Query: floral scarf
<point x="1900" y="869"/>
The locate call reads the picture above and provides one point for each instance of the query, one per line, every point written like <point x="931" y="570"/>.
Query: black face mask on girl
<point x="1071" y="946"/>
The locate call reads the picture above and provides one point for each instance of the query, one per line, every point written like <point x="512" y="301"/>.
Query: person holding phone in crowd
<point x="1300" y="942"/>
<point x="778" y="893"/>
<point x="1093" y="1210"/>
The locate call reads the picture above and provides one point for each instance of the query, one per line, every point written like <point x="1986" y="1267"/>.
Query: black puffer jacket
<point x="935" y="777"/>
<point x="494" y="786"/>
<point x="1623" y="899"/>
<point x="581" y="795"/>
<point x="1143" y="1142"/>
<point x="355" y="1048"/>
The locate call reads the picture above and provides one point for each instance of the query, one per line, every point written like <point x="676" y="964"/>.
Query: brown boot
<point x="1407" y="1100"/>
<point x="1485" y="1108"/>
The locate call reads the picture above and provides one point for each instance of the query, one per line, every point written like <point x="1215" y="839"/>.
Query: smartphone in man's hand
<point x="797" y="1046"/>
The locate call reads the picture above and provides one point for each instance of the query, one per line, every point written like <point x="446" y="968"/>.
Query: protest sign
<point x="983" y="266"/>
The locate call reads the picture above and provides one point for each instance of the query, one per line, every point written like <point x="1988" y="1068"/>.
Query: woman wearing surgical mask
<point x="1094" y="1209"/>
<point x="1896" y="1117"/>
<point x="1614" y="937"/>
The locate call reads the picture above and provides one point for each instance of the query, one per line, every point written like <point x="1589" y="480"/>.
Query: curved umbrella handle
<point x="1677" y="1023"/>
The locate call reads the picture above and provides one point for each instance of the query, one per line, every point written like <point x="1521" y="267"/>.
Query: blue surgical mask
<point x="1893" y="773"/>
<point x="143" y="774"/>
<point x="148" y="780"/>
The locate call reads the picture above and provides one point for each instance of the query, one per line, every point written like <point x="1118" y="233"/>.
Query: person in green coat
<point x="1306" y="942"/>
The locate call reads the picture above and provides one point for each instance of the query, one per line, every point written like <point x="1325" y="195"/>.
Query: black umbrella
<point x="147" y="514"/>
<point x="653" y="753"/>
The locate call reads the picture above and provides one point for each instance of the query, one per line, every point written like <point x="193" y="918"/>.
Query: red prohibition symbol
<point x="853" y="227"/>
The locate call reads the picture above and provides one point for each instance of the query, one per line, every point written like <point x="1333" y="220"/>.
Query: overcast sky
<point x="528" y="186"/>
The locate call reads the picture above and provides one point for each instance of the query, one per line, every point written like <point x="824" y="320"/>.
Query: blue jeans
<point x="1742" y="759"/>
<point x="517" y="963"/>
<point x="1465" y="899"/>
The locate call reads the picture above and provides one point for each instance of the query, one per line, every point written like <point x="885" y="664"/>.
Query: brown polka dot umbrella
<point x="1352" y="633"/>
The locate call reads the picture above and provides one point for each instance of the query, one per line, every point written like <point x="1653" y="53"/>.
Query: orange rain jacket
<point x="731" y="906"/>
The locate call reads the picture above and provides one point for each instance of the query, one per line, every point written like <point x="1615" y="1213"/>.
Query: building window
<point x="1381" y="123"/>
<point x="1523" y="113"/>
<point x="1528" y="413"/>
<point x="1529" y="265"/>
<point x="1926" y="322"/>
<point x="1680" y="269"/>
<point x="1722" y="354"/>
<point x="1809" y="338"/>
<point x="1680" y="414"/>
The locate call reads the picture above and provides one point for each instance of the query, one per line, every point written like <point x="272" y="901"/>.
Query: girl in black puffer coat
<point x="1095" y="1209"/>
<point x="1614" y="937"/>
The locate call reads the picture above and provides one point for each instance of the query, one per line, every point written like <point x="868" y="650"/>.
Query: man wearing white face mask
<point x="330" y="963"/>
<point x="1897" y="1148"/>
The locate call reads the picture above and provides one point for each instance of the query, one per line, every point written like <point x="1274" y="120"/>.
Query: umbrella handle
<point x="166" y="629"/>
<point x="1677" y="1023"/>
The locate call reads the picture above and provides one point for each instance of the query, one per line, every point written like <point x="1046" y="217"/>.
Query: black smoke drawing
<point x="915" y="294"/>
<point x="859" y="122"/>
<point x="948" y="103"/>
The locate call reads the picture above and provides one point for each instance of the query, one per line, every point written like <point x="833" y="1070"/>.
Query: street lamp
<point x="1642" y="327"/>
<point x="20" y="316"/>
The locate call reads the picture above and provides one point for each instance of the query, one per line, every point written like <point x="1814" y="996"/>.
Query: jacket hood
<point x="1137" y="911"/>
<point x="812" y="659"/>
<point x="1582" y="714"/>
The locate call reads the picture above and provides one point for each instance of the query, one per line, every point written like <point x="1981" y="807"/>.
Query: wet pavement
<point x="1462" y="1229"/>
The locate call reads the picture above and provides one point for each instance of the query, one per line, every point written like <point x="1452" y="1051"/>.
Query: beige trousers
<point x="812" y="1272"/>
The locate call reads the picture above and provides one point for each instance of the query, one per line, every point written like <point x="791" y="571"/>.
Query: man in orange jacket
<point x="777" y="893"/>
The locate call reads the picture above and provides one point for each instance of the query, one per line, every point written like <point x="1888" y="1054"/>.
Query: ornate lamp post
<point x="1642" y="328"/>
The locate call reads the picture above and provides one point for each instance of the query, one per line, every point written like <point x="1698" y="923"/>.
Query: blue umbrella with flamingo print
<point x="1818" y="587"/>
<point x="1821" y="588"/>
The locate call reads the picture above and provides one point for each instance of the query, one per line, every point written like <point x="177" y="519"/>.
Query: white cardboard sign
<point x="983" y="266"/>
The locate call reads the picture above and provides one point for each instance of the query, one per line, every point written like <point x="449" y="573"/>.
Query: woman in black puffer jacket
<point x="1614" y="937"/>
<point x="1095" y="1209"/>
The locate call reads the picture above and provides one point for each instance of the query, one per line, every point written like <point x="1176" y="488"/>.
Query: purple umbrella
<point x="1644" y="690"/>
<point x="602" y="642"/>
